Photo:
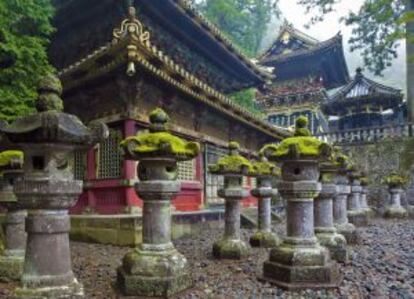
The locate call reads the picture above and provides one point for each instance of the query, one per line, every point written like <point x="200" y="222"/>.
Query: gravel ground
<point x="381" y="268"/>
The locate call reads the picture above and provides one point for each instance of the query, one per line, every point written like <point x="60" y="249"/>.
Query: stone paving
<point x="382" y="267"/>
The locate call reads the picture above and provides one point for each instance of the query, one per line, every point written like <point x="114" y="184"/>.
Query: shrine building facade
<point x="118" y="62"/>
<point x="304" y="70"/>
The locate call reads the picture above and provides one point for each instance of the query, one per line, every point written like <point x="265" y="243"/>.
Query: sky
<point x="296" y="14"/>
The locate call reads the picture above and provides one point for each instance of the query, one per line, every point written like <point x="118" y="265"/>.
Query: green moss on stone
<point x="8" y="158"/>
<point x="395" y="180"/>
<point x="233" y="163"/>
<point x="158" y="142"/>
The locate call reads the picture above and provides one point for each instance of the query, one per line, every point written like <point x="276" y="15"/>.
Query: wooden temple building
<point x="118" y="62"/>
<point x="304" y="70"/>
<point x="364" y="103"/>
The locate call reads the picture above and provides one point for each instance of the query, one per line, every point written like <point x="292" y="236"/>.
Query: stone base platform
<point x="126" y="229"/>
<point x="11" y="268"/>
<point x="264" y="239"/>
<point x="336" y="243"/>
<point x="350" y="233"/>
<point x="395" y="212"/>
<point x="358" y="218"/>
<point x="294" y="268"/>
<point x="71" y="291"/>
<point x="154" y="273"/>
<point x="230" y="249"/>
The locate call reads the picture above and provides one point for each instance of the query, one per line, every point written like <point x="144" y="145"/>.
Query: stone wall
<point x="378" y="160"/>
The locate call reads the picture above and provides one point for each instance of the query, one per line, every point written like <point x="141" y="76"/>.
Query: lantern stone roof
<point x="361" y="91"/>
<point x="295" y="54"/>
<point x="183" y="33"/>
<point x="132" y="51"/>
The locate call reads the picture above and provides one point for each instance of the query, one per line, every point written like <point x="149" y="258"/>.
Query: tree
<point x="379" y="26"/>
<point x="24" y="31"/>
<point x="243" y="21"/>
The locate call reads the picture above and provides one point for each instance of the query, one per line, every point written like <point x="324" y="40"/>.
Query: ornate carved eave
<point x="131" y="47"/>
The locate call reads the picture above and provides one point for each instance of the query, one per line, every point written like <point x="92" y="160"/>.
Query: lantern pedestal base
<point x="73" y="290"/>
<point x="358" y="218"/>
<point x="301" y="266"/>
<point x="232" y="249"/>
<point x="336" y="244"/>
<point x="395" y="212"/>
<point x="369" y="212"/>
<point x="264" y="239"/>
<point x="154" y="273"/>
<point x="350" y="233"/>
<point x="11" y="267"/>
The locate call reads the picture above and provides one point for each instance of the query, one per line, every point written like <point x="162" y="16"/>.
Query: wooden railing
<point x="368" y="135"/>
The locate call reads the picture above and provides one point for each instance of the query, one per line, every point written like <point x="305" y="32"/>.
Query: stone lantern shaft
<point x="156" y="268"/>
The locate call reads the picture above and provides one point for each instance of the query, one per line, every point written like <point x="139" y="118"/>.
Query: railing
<point x="368" y="135"/>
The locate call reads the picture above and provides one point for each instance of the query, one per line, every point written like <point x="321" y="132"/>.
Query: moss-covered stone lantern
<point x="323" y="211"/>
<point x="156" y="268"/>
<point x="363" y="200"/>
<point x="396" y="184"/>
<point x="340" y="203"/>
<point x="265" y="172"/>
<point x="12" y="259"/>
<point x="233" y="167"/>
<point x="48" y="189"/>
<point x="300" y="262"/>
<point x="356" y="215"/>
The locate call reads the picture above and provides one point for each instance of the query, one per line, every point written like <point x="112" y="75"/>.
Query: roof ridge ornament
<point x="131" y="27"/>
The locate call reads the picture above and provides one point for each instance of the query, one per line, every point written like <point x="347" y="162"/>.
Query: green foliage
<point x="245" y="99"/>
<point x="243" y="21"/>
<point x="378" y="27"/>
<point x="24" y="31"/>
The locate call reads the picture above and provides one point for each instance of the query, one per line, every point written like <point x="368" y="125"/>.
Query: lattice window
<point x="253" y="182"/>
<point x="187" y="170"/>
<point x="110" y="158"/>
<point x="245" y="182"/>
<point x="79" y="165"/>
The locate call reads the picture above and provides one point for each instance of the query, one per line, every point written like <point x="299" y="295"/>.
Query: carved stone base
<point x="264" y="239"/>
<point x="296" y="267"/>
<point x="230" y="249"/>
<point x="369" y="212"/>
<point x="73" y="290"/>
<point x="358" y="218"/>
<point x="336" y="243"/>
<point x="395" y="212"/>
<point x="11" y="268"/>
<point x="155" y="274"/>
<point x="350" y="233"/>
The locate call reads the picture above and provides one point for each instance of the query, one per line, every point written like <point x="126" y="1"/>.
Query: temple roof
<point x="363" y="90"/>
<point x="177" y="28"/>
<point x="361" y="86"/>
<point x="133" y="52"/>
<point x="295" y="54"/>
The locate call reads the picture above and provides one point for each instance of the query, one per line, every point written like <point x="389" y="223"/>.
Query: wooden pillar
<point x="91" y="175"/>
<point x="129" y="166"/>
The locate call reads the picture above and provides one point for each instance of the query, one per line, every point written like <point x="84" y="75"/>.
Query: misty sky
<point x="296" y="14"/>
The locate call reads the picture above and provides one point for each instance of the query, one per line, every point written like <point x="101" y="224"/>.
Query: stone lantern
<point x="395" y="184"/>
<point x="12" y="260"/>
<point x="340" y="215"/>
<point x="364" y="202"/>
<point x="300" y="261"/>
<point x="323" y="212"/>
<point x="356" y="215"/>
<point x="233" y="167"/>
<point x="156" y="268"/>
<point x="47" y="189"/>
<point x="264" y="172"/>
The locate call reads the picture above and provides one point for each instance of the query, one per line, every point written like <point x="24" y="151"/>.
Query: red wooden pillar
<point x="129" y="166"/>
<point x="91" y="175"/>
<point x="199" y="176"/>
